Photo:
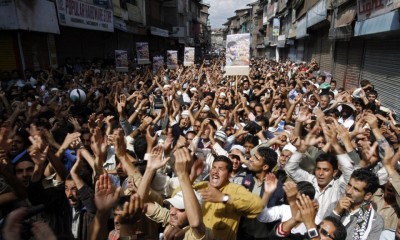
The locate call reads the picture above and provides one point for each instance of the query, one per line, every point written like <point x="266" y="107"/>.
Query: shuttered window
<point x="340" y="62"/>
<point x="382" y="68"/>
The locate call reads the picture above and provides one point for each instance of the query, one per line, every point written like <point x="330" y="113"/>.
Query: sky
<point x="220" y="10"/>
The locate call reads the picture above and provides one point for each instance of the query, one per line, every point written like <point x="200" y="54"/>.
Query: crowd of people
<point x="191" y="153"/>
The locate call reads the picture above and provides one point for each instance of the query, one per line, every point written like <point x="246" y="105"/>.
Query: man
<point x="333" y="88"/>
<point x="328" y="189"/>
<point x="279" y="169"/>
<point x="184" y="217"/>
<point x="182" y="127"/>
<point x="224" y="202"/>
<point x="324" y="102"/>
<point x="24" y="169"/>
<point x="355" y="209"/>
<point x="232" y="53"/>
<point x="347" y="115"/>
<point x="283" y="212"/>
<point x="236" y="154"/>
<point x="260" y="164"/>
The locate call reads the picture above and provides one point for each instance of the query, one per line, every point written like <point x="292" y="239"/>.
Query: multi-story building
<point x="217" y="40"/>
<point x="40" y="34"/>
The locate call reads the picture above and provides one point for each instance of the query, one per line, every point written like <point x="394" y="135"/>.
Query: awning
<point x="346" y="17"/>
<point x="383" y="23"/>
<point x="292" y="31"/>
<point x="301" y="30"/>
<point x="317" y="13"/>
<point x="344" y="32"/>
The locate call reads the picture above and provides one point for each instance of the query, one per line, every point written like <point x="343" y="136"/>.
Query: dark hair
<point x="269" y="155"/>
<point x="231" y="43"/>
<point x="340" y="232"/>
<point x="330" y="158"/>
<point x="373" y="92"/>
<point x="370" y="106"/>
<point x="364" y="83"/>
<point x="251" y="139"/>
<point x="359" y="101"/>
<point x="263" y="119"/>
<point x="368" y="177"/>
<point x="306" y="188"/>
<point x="140" y="146"/>
<point x="69" y="177"/>
<point x="221" y="158"/>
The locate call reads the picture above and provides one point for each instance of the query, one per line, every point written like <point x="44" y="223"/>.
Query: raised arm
<point x="183" y="162"/>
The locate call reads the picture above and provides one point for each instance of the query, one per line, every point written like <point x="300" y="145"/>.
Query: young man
<point x="328" y="189"/>
<point x="184" y="217"/>
<point x="224" y="203"/>
<point x="355" y="209"/>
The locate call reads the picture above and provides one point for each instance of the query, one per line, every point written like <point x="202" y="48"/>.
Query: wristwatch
<point x="312" y="233"/>
<point x="225" y="199"/>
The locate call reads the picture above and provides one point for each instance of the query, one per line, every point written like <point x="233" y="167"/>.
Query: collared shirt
<point x="76" y="214"/>
<point x="161" y="215"/>
<point x="388" y="212"/>
<point x="257" y="186"/>
<point x="333" y="191"/>
<point x="223" y="218"/>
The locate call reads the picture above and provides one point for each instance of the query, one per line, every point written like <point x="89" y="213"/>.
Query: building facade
<point x="40" y="34"/>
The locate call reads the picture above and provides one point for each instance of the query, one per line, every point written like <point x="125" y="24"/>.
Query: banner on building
<point x="33" y="15"/>
<point x="172" y="59"/>
<point x="158" y="63"/>
<point x="75" y="13"/>
<point x="142" y="53"/>
<point x="121" y="60"/>
<point x="237" y="54"/>
<point x="189" y="56"/>
<point x="372" y="8"/>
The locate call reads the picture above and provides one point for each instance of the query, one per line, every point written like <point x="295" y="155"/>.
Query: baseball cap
<point x="178" y="202"/>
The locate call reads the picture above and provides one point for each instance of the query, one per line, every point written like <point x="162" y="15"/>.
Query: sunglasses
<point x="324" y="232"/>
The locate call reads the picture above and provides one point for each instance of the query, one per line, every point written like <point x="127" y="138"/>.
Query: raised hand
<point x="270" y="183"/>
<point x="5" y="141"/>
<point x="38" y="156"/>
<point x="303" y="115"/>
<point x="291" y="191"/>
<point x="74" y="123"/>
<point x="371" y="120"/>
<point x="70" y="138"/>
<point x="131" y="211"/>
<point x="307" y="209"/>
<point x="156" y="158"/>
<point x="118" y="140"/>
<point x="183" y="161"/>
<point x="99" y="144"/>
<point x="150" y="139"/>
<point x="121" y="104"/>
<point x="106" y="196"/>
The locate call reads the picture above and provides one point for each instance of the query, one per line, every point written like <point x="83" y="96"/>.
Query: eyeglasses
<point x="325" y="232"/>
